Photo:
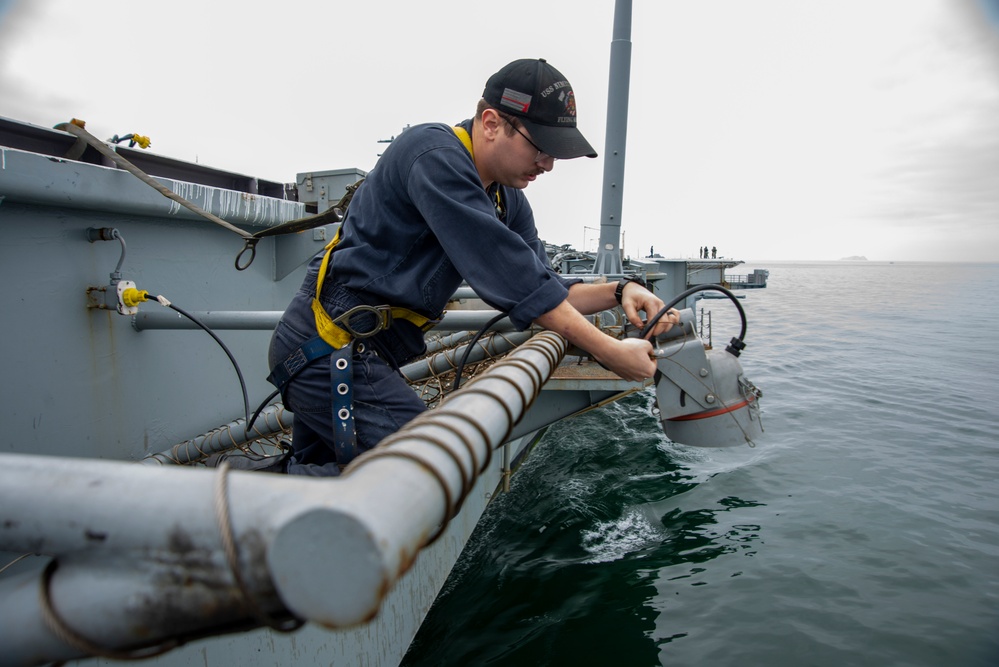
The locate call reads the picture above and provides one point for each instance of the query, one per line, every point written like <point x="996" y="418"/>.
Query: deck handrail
<point x="326" y="551"/>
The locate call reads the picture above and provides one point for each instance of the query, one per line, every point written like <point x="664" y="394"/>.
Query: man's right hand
<point x="631" y="358"/>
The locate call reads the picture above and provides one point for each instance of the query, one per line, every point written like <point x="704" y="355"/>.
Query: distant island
<point x="854" y="258"/>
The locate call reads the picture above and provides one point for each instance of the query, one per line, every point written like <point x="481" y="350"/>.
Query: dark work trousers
<point x="383" y="400"/>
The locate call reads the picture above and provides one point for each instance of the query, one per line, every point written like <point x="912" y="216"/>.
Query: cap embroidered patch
<point x="516" y="100"/>
<point x="570" y="107"/>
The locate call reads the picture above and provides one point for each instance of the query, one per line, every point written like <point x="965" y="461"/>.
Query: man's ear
<point x="491" y="122"/>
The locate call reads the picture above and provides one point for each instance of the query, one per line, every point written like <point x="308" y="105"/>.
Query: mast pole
<point x="609" y="254"/>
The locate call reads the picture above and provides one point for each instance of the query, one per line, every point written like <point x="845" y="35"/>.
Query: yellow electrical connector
<point x="144" y="142"/>
<point x="132" y="297"/>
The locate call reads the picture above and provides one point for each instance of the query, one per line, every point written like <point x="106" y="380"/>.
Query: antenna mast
<point x="609" y="254"/>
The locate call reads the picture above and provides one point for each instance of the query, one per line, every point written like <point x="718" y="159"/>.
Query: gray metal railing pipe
<point x="272" y="420"/>
<point x="466" y="292"/>
<point x="266" y="320"/>
<point x="437" y="344"/>
<point x="472" y="320"/>
<point x="447" y="360"/>
<point x="240" y="320"/>
<point x="325" y="550"/>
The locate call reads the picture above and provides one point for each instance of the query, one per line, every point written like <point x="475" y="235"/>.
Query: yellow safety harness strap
<point x="466" y="141"/>
<point x="338" y="336"/>
<point x="465" y="138"/>
<point x="327" y="329"/>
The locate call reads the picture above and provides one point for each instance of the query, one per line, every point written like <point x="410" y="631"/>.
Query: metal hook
<point x="251" y="245"/>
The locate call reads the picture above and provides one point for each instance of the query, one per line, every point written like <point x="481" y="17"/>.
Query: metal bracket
<point x="694" y="374"/>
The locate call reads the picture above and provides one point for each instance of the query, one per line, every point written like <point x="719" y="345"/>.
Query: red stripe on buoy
<point x="710" y="413"/>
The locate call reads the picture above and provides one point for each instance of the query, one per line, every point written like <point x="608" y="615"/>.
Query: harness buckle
<point x="383" y="320"/>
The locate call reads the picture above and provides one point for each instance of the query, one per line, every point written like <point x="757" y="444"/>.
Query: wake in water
<point x="596" y="501"/>
<point x="629" y="535"/>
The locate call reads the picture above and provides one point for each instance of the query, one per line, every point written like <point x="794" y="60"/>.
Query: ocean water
<point x="863" y="529"/>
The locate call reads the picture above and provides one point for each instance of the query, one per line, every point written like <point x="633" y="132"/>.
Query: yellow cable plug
<point x="132" y="297"/>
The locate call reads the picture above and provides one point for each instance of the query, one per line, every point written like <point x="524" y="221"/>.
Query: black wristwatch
<point x="619" y="292"/>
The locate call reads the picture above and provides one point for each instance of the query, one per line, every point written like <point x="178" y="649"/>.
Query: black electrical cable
<point x="694" y="290"/>
<point x="260" y="408"/>
<point x="239" y="373"/>
<point x="468" y="350"/>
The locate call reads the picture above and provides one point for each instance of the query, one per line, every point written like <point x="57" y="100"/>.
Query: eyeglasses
<point x="541" y="156"/>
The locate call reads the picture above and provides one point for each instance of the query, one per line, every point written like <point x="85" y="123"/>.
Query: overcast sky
<point x="772" y="129"/>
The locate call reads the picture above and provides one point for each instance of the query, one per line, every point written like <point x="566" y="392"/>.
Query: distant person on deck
<point x="444" y="204"/>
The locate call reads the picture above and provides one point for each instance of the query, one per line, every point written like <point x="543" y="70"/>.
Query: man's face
<point x="520" y="161"/>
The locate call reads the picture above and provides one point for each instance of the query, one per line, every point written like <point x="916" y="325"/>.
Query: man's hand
<point x="636" y="298"/>
<point x="631" y="358"/>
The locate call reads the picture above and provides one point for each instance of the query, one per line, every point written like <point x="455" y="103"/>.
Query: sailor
<point x="443" y="204"/>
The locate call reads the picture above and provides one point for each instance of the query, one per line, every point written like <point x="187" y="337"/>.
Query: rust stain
<point x="383" y="589"/>
<point x="406" y="561"/>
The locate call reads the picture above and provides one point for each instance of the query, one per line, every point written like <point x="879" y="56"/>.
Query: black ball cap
<point x="538" y="94"/>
